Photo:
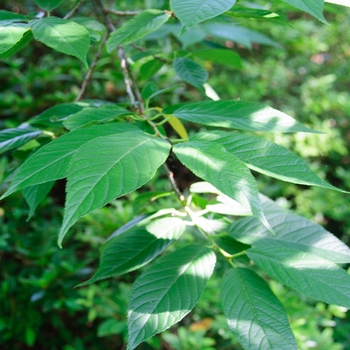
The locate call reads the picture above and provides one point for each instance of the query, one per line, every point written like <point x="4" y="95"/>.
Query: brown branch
<point x="121" y="13"/>
<point x="173" y="183"/>
<point x="91" y="69"/>
<point x="74" y="10"/>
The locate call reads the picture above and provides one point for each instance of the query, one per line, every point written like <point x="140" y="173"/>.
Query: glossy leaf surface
<point x="118" y="164"/>
<point x="64" y="36"/>
<point x="236" y="115"/>
<point x="168" y="291"/>
<point x="11" y="34"/>
<point x="306" y="273"/>
<point x="136" y="247"/>
<point x="253" y="313"/>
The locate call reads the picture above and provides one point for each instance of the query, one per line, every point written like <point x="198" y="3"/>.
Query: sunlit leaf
<point x="253" y="313"/>
<point x="168" y="291"/>
<point x="11" y="34"/>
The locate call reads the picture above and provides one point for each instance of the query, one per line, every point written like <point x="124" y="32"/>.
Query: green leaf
<point x="252" y="13"/>
<point x="51" y="161"/>
<point x="95" y="28"/>
<point x="17" y="137"/>
<point x="193" y="36"/>
<point x="167" y="291"/>
<point x="136" y="247"/>
<point x="53" y="116"/>
<point x="148" y="69"/>
<point x="11" y="34"/>
<point x="90" y="114"/>
<point x="253" y="313"/>
<point x="144" y="23"/>
<point x="306" y="273"/>
<point x="119" y="164"/>
<point x="292" y="231"/>
<point x="48" y="5"/>
<point x="24" y="41"/>
<point x="240" y="35"/>
<point x="64" y="36"/>
<point x="150" y="90"/>
<point x="8" y="16"/>
<point x="221" y="56"/>
<point x="267" y="158"/>
<point x="313" y="7"/>
<point x="35" y="194"/>
<point x="224" y="171"/>
<point x="190" y="72"/>
<point x="195" y="11"/>
<point x="237" y="115"/>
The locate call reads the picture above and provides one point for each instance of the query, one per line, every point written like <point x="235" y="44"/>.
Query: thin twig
<point x="121" y="13"/>
<point x="92" y="67"/>
<point x="74" y="10"/>
<point x="173" y="183"/>
<point x="137" y="47"/>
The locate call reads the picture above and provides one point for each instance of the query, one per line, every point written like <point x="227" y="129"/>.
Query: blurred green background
<point x="308" y="78"/>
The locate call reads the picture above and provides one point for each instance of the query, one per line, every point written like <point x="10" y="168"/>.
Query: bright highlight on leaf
<point x="168" y="291"/>
<point x="195" y="11"/>
<point x="135" y="29"/>
<point x="239" y="115"/>
<point x="136" y="247"/>
<point x="95" y="178"/>
<point x="253" y="313"/>
<point x="61" y="35"/>
<point x="11" y="34"/>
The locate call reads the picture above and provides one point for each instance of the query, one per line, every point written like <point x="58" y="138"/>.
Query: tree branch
<point x="74" y="10"/>
<point x="173" y="183"/>
<point x="91" y="69"/>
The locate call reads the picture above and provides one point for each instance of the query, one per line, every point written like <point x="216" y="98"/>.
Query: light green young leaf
<point x="237" y="34"/>
<point x="35" y="194"/>
<point x="195" y="11"/>
<point x="220" y="56"/>
<point x="144" y="23"/>
<point x="95" y="28"/>
<point x="90" y="114"/>
<point x="253" y="313"/>
<point x="48" y="5"/>
<point x="306" y="273"/>
<point x="292" y="231"/>
<point x="119" y="164"/>
<point x="253" y="13"/>
<point x="8" y="16"/>
<point x="168" y="291"/>
<point x="239" y="115"/>
<point x="224" y="171"/>
<point x="267" y="158"/>
<point x="51" y="161"/>
<point x="190" y="72"/>
<point x="11" y="34"/>
<point x="64" y="36"/>
<point x="313" y="7"/>
<point x="17" y="137"/>
<point x="136" y="247"/>
<point x="24" y="41"/>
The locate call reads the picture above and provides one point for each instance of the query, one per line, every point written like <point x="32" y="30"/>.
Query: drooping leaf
<point x="148" y="90"/>
<point x="267" y="158"/>
<point x="61" y="35"/>
<point x="24" y="41"/>
<point x="91" y="114"/>
<point x="148" y="69"/>
<point x="292" y="231"/>
<point x="136" y="247"/>
<point x="237" y="115"/>
<point x="306" y="273"/>
<point x="35" y="194"/>
<point x="177" y="125"/>
<point x="51" y="161"/>
<point x="119" y="164"/>
<point x="48" y="5"/>
<point x="144" y="23"/>
<point x="253" y="313"/>
<point x="17" y="137"/>
<point x="11" y="34"/>
<point x="239" y="35"/>
<point x="168" y="291"/>
<point x="220" y="56"/>
<point x="313" y="7"/>
<point x="224" y="171"/>
<point x="190" y="72"/>
<point x="195" y="11"/>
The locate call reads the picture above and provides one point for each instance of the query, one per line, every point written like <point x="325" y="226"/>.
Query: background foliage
<point x="307" y="78"/>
